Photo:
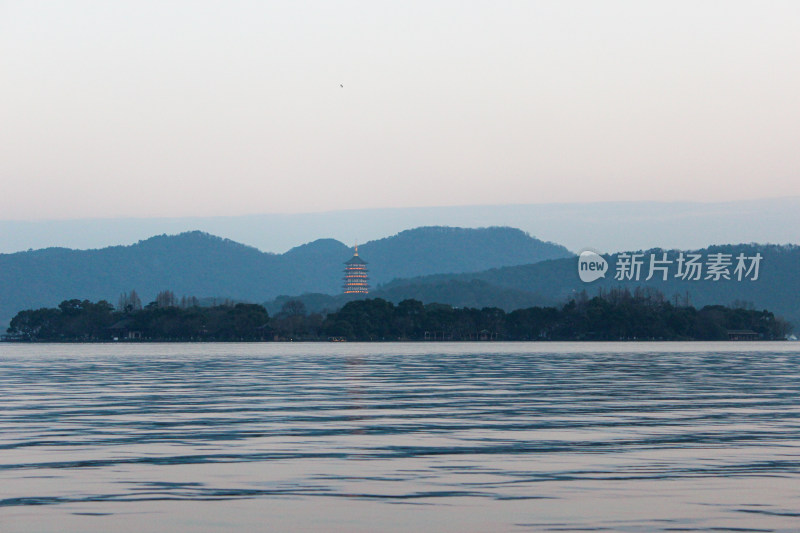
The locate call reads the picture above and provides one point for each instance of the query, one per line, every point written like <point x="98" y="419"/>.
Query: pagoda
<point x="356" y="280"/>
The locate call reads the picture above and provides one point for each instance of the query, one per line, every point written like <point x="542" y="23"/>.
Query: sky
<point x="205" y="108"/>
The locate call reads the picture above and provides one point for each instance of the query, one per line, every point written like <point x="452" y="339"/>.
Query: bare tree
<point x="129" y="302"/>
<point x="166" y="299"/>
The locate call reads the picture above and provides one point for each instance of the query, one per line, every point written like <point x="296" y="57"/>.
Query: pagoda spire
<point x="356" y="280"/>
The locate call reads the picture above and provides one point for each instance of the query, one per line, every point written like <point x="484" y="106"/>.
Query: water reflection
<point x="521" y="437"/>
<point x="355" y="366"/>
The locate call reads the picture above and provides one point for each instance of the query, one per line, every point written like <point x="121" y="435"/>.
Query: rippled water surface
<point x="400" y="437"/>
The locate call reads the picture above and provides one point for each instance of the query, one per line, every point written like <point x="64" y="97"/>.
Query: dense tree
<point x="81" y="320"/>
<point x="617" y="314"/>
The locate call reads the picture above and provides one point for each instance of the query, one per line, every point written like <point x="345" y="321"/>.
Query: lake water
<point x="400" y="437"/>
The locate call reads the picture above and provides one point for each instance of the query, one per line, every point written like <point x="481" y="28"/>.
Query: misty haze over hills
<point x="605" y="226"/>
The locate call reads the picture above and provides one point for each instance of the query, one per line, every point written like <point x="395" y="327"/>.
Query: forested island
<point x="615" y="315"/>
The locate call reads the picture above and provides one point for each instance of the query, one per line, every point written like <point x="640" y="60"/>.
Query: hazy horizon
<point x="606" y="226"/>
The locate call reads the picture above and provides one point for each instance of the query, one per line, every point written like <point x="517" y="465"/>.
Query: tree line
<point x="618" y="314"/>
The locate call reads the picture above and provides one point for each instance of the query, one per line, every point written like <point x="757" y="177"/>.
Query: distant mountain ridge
<point x="553" y="282"/>
<point x="454" y="250"/>
<point x="611" y="226"/>
<point x="202" y="265"/>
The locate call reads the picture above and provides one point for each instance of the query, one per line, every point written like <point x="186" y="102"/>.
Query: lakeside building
<point x="356" y="279"/>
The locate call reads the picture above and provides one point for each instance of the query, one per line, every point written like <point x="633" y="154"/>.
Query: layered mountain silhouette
<point x="488" y="267"/>
<point x="202" y="265"/>
<point x="554" y="282"/>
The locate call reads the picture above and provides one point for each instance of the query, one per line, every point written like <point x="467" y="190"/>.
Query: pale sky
<point x="199" y="108"/>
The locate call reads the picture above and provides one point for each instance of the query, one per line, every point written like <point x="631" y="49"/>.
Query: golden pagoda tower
<point x="356" y="280"/>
